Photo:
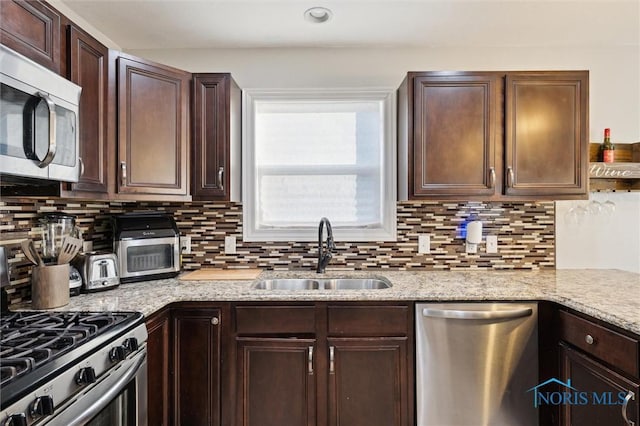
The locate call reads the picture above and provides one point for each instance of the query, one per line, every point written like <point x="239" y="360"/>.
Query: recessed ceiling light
<point x="318" y="15"/>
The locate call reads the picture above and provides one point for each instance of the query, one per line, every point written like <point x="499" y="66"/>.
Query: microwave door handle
<point x="30" y="135"/>
<point x="51" y="152"/>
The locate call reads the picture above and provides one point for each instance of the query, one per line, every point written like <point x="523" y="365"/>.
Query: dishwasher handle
<point x="477" y="315"/>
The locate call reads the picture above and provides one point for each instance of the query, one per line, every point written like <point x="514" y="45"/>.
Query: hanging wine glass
<point x="608" y="207"/>
<point x="594" y="207"/>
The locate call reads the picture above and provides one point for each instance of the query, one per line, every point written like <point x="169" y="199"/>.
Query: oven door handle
<point x="79" y="414"/>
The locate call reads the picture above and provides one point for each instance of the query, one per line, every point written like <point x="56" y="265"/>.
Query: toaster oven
<point x="147" y="246"/>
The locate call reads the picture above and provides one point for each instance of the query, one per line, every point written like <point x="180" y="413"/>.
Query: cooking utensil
<point x="30" y="252"/>
<point x="69" y="249"/>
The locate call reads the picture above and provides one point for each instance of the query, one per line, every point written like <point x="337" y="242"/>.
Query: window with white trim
<point x="314" y="153"/>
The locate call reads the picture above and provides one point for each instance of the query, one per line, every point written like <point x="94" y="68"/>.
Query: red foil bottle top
<point x="607" y="133"/>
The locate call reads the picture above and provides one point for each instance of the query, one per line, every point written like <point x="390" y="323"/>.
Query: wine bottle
<point x="607" y="148"/>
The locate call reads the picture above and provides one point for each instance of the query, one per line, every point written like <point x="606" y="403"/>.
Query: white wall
<point x="614" y="102"/>
<point x="614" y="71"/>
<point x="600" y="240"/>
<point x="82" y="23"/>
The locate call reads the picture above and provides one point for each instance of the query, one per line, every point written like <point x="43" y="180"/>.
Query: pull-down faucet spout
<point x="324" y="254"/>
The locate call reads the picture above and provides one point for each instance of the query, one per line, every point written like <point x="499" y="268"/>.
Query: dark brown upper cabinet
<point x="454" y="129"/>
<point x="493" y="135"/>
<point x="546" y="139"/>
<point x="216" y="137"/>
<point x="32" y="28"/>
<point x="88" y="62"/>
<point x="153" y="128"/>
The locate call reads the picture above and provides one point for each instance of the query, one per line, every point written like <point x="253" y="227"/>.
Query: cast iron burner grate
<point x="29" y="340"/>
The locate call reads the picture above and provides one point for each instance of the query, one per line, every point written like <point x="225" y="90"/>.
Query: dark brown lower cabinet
<point x="276" y="382"/>
<point x="197" y="365"/>
<point x="603" y="397"/>
<point x="158" y="367"/>
<point x="367" y="381"/>
<point x="324" y="364"/>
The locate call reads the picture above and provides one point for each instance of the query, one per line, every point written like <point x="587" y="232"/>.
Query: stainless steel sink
<point x="287" y="284"/>
<point x="322" y="284"/>
<point x="356" y="284"/>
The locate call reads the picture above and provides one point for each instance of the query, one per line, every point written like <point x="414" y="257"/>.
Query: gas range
<point x="50" y="361"/>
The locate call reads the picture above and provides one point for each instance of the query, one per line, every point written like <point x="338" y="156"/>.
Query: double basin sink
<point x="323" y="284"/>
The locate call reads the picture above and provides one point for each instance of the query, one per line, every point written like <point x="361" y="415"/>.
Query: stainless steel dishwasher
<point x="475" y="363"/>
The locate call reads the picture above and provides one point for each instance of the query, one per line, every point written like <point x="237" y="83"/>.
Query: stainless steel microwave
<point x="147" y="245"/>
<point x="38" y="121"/>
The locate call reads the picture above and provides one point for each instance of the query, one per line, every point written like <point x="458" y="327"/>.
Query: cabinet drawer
<point x="368" y="320"/>
<point x="614" y="348"/>
<point x="275" y="319"/>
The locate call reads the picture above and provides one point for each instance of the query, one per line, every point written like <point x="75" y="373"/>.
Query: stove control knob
<point x="131" y="344"/>
<point x="16" y="420"/>
<point x="86" y="376"/>
<point x="42" y="406"/>
<point x="117" y="353"/>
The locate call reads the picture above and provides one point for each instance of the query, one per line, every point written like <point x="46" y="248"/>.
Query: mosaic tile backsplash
<point x="525" y="234"/>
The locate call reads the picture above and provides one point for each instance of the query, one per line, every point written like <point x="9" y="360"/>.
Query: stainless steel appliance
<point x="475" y="363"/>
<point x="99" y="271"/>
<point x="73" y="368"/>
<point x="147" y="246"/>
<point x="38" y="121"/>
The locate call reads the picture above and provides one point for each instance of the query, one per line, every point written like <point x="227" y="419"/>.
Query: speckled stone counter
<point x="610" y="295"/>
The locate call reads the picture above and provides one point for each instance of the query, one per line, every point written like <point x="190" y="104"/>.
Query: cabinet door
<point x="454" y="136"/>
<point x="617" y="395"/>
<point x="276" y="381"/>
<point x="32" y="28"/>
<point x="546" y="134"/>
<point x="211" y="150"/>
<point x="158" y="369"/>
<point x="152" y="127"/>
<point x="197" y="364"/>
<point x="88" y="68"/>
<point x="368" y="381"/>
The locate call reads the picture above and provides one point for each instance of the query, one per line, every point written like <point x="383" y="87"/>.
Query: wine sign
<point x="615" y="170"/>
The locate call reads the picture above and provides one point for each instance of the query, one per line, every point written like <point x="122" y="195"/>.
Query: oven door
<point x="119" y="399"/>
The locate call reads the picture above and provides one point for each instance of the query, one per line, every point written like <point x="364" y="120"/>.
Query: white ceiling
<point x="161" y="24"/>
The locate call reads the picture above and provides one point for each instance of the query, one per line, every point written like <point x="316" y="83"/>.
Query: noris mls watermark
<point x="568" y="395"/>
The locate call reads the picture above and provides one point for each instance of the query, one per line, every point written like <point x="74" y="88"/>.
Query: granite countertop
<point x="610" y="295"/>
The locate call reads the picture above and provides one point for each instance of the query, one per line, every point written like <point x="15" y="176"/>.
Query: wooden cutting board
<point x="214" y="274"/>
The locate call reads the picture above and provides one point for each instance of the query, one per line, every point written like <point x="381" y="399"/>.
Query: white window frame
<point x="387" y="232"/>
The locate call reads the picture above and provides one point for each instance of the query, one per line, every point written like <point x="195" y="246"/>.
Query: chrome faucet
<point x="324" y="255"/>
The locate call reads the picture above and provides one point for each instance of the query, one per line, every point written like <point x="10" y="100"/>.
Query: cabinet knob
<point x="589" y="339"/>
<point x="492" y="177"/>
<point x="81" y="166"/>
<point x="510" y="177"/>
<point x="215" y="321"/>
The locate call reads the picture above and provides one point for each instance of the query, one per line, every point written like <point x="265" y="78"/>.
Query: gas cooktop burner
<point x="29" y="340"/>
